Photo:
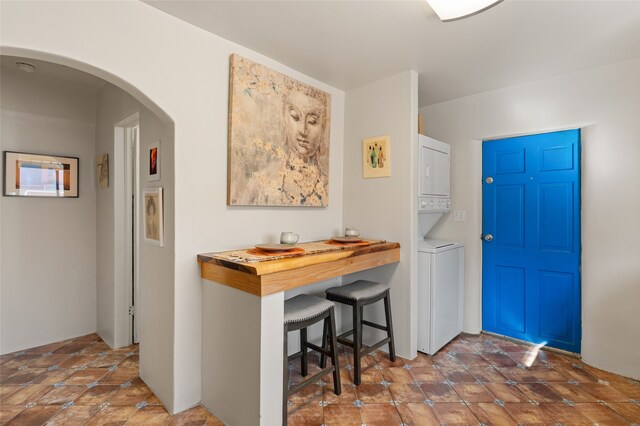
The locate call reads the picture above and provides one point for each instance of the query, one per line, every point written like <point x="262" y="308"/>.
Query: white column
<point x="271" y="359"/>
<point x="242" y="355"/>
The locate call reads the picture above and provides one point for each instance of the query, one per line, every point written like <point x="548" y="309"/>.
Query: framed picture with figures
<point x="376" y="157"/>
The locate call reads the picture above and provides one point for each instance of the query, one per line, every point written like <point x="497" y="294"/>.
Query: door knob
<point x="487" y="237"/>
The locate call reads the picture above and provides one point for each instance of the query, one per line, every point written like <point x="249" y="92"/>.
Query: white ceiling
<point x="350" y="43"/>
<point x="55" y="71"/>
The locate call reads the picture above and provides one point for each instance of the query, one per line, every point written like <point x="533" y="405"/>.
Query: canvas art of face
<point x="279" y="134"/>
<point x="303" y="121"/>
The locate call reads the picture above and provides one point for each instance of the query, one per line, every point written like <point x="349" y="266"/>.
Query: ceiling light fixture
<point x="25" y="66"/>
<point x="450" y="10"/>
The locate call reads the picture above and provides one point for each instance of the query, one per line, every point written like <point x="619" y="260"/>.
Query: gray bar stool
<point x="301" y="312"/>
<point x="358" y="295"/>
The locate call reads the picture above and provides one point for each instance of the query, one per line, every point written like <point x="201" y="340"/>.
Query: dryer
<point x="435" y="170"/>
<point x="434" y="190"/>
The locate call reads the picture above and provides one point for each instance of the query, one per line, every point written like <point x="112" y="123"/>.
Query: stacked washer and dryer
<point x="440" y="263"/>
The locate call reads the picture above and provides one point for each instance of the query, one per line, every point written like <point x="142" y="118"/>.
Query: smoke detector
<point x="25" y="66"/>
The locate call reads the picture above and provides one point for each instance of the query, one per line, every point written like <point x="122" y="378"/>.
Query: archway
<point x="162" y="129"/>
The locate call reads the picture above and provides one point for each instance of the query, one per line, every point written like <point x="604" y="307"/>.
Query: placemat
<point x="261" y="252"/>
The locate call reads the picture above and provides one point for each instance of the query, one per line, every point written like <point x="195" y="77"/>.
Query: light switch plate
<point x="459" y="215"/>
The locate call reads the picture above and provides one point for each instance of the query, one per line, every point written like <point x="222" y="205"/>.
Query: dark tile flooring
<point x="474" y="380"/>
<point x="82" y="382"/>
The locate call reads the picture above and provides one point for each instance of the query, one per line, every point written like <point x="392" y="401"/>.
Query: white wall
<point x="113" y="105"/>
<point x="154" y="265"/>
<point x="155" y="309"/>
<point x="605" y="103"/>
<point x="386" y="207"/>
<point x="144" y="51"/>
<point x="48" y="289"/>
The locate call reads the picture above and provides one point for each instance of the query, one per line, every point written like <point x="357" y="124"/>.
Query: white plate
<point x="346" y="239"/>
<point x="276" y="247"/>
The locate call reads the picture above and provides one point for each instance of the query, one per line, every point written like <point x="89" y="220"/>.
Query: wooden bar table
<point x="243" y="316"/>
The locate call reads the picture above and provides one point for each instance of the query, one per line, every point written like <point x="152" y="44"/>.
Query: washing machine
<point x="440" y="293"/>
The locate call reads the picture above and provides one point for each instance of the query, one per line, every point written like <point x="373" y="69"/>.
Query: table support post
<point x="242" y="362"/>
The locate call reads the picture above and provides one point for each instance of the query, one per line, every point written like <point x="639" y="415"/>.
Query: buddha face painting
<point x="304" y="120"/>
<point x="279" y="139"/>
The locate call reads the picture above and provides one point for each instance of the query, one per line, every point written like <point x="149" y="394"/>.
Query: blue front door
<point x="531" y="238"/>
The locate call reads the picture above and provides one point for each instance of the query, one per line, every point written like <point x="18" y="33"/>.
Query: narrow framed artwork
<point x="278" y="139"/>
<point x="153" y="221"/>
<point x="102" y="170"/>
<point x="40" y="175"/>
<point x="376" y="157"/>
<point x="153" y="161"/>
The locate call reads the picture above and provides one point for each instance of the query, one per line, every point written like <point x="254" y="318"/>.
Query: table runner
<point x="255" y="255"/>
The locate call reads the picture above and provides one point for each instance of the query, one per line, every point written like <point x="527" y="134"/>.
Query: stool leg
<point x="357" y="342"/>
<point x="337" y="386"/>
<point x="361" y="319"/>
<point x="387" y="314"/>
<point x="304" y="362"/>
<point x="285" y="383"/>
<point x="325" y="336"/>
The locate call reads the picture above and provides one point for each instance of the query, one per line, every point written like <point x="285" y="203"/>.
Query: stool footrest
<point x="345" y="334"/>
<point x="293" y="389"/>
<point x="374" y="325"/>
<point x="377" y="345"/>
<point x="345" y="342"/>
<point x="366" y="349"/>
<point x="323" y="351"/>
<point x="295" y="355"/>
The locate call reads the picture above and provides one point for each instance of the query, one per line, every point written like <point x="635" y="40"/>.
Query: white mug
<point x="351" y="232"/>
<point x="289" y="238"/>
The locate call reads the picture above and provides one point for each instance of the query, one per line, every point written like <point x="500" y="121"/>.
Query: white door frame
<point x="126" y="226"/>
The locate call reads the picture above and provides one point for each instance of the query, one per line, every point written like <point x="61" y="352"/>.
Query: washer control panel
<point x="434" y="204"/>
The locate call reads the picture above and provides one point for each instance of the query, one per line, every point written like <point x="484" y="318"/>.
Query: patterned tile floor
<point x="474" y="380"/>
<point x="82" y="382"/>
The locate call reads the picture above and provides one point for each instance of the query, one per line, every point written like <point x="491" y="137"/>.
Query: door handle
<point x="487" y="237"/>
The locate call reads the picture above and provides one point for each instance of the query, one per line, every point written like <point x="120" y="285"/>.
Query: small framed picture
<point x="39" y="175"/>
<point x="153" y="224"/>
<point x="376" y="157"/>
<point x="153" y="161"/>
